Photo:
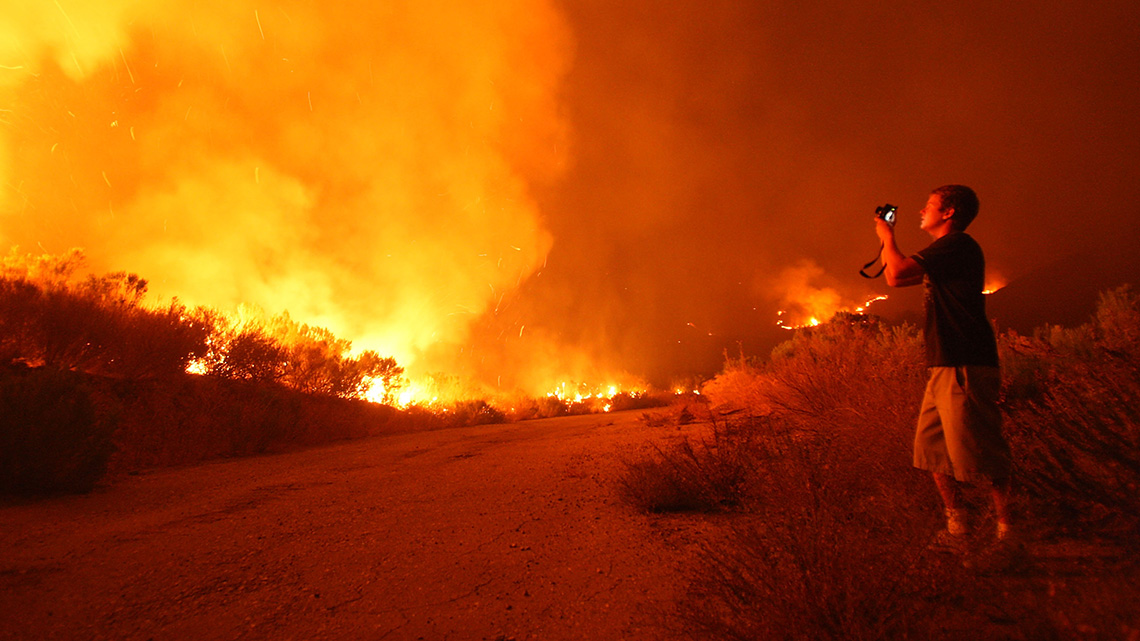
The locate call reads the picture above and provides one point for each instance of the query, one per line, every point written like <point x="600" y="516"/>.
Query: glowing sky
<point x="529" y="190"/>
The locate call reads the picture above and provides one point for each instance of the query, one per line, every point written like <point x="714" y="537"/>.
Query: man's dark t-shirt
<point x="957" y="330"/>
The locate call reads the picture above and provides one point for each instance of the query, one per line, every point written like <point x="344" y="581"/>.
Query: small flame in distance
<point x="819" y="319"/>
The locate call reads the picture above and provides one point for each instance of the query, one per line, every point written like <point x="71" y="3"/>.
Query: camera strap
<point x="863" y="272"/>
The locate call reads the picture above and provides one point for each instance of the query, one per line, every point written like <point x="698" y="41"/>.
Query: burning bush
<point x="65" y="340"/>
<point x="48" y="316"/>
<point x="51" y="316"/>
<point x="476" y="413"/>
<point x="244" y="353"/>
<point x="317" y="362"/>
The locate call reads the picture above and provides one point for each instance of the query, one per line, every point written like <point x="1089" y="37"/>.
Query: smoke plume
<point x="366" y="166"/>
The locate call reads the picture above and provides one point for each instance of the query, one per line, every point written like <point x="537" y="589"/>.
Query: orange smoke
<point x="366" y="166"/>
<point x="805" y="302"/>
<point x="994" y="282"/>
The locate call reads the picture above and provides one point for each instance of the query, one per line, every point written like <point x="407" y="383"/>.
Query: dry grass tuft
<point x="707" y="474"/>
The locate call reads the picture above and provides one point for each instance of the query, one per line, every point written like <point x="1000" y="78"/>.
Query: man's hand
<point x="900" y="271"/>
<point x="885" y="231"/>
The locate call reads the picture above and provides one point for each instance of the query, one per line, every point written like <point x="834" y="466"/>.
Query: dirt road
<point x="494" y="532"/>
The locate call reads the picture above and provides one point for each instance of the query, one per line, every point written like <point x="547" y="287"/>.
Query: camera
<point x="887" y="213"/>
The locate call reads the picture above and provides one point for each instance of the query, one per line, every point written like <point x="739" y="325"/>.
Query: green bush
<point x="52" y="438"/>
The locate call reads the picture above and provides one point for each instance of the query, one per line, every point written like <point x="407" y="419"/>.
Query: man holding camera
<point x="959" y="436"/>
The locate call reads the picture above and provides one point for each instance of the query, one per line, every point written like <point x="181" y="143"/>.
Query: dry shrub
<point x="245" y="353"/>
<point x="197" y="418"/>
<point x="694" y="475"/>
<point x="1072" y="404"/>
<point x="318" y="362"/>
<point x="656" y="419"/>
<point x="96" y="325"/>
<point x="534" y="408"/>
<point x="742" y="385"/>
<point x="624" y="401"/>
<point x="827" y="547"/>
<point x="853" y="370"/>
<point x="849" y="376"/>
<point x="477" y="412"/>
<point x="835" y="521"/>
<point x="833" y="515"/>
<point x="52" y="437"/>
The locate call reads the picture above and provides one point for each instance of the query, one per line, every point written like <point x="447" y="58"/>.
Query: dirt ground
<point x="492" y="532"/>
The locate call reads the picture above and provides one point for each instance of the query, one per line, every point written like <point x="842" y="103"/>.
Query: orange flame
<point x="815" y="321"/>
<point x="994" y="282"/>
<point x="369" y="170"/>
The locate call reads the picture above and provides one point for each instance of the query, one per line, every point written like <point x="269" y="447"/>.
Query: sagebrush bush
<point x="853" y="377"/>
<point x="706" y="474"/>
<point x="198" y="418"/>
<point x="741" y="386"/>
<point x="476" y="413"/>
<point x="99" y="325"/>
<point x="835" y="520"/>
<point x="86" y="327"/>
<point x="851" y="370"/>
<point x="834" y="517"/>
<point x="624" y="401"/>
<point x="318" y="362"/>
<point x="827" y="546"/>
<point x="52" y="437"/>
<point x="1072" y="406"/>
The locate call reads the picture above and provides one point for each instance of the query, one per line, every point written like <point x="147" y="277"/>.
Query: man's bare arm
<point x="901" y="271"/>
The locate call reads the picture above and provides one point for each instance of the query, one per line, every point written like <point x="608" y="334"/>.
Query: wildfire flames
<point x="365" y="166"/>
<point x="804" y="302"/>
<point x="814" y="321"/>
<point x="994" y="282"/>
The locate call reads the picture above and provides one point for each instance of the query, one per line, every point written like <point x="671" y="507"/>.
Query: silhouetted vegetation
<point x="51" y="317"/>
<point x="52" y="438"/>
<point x="705" y="475"/>
<point x="829" y="523"/>
<point x="1072" y="401"/>
<point x="94" y="379"/>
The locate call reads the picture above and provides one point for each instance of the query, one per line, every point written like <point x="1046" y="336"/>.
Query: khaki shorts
<point x="959" y="425"/>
